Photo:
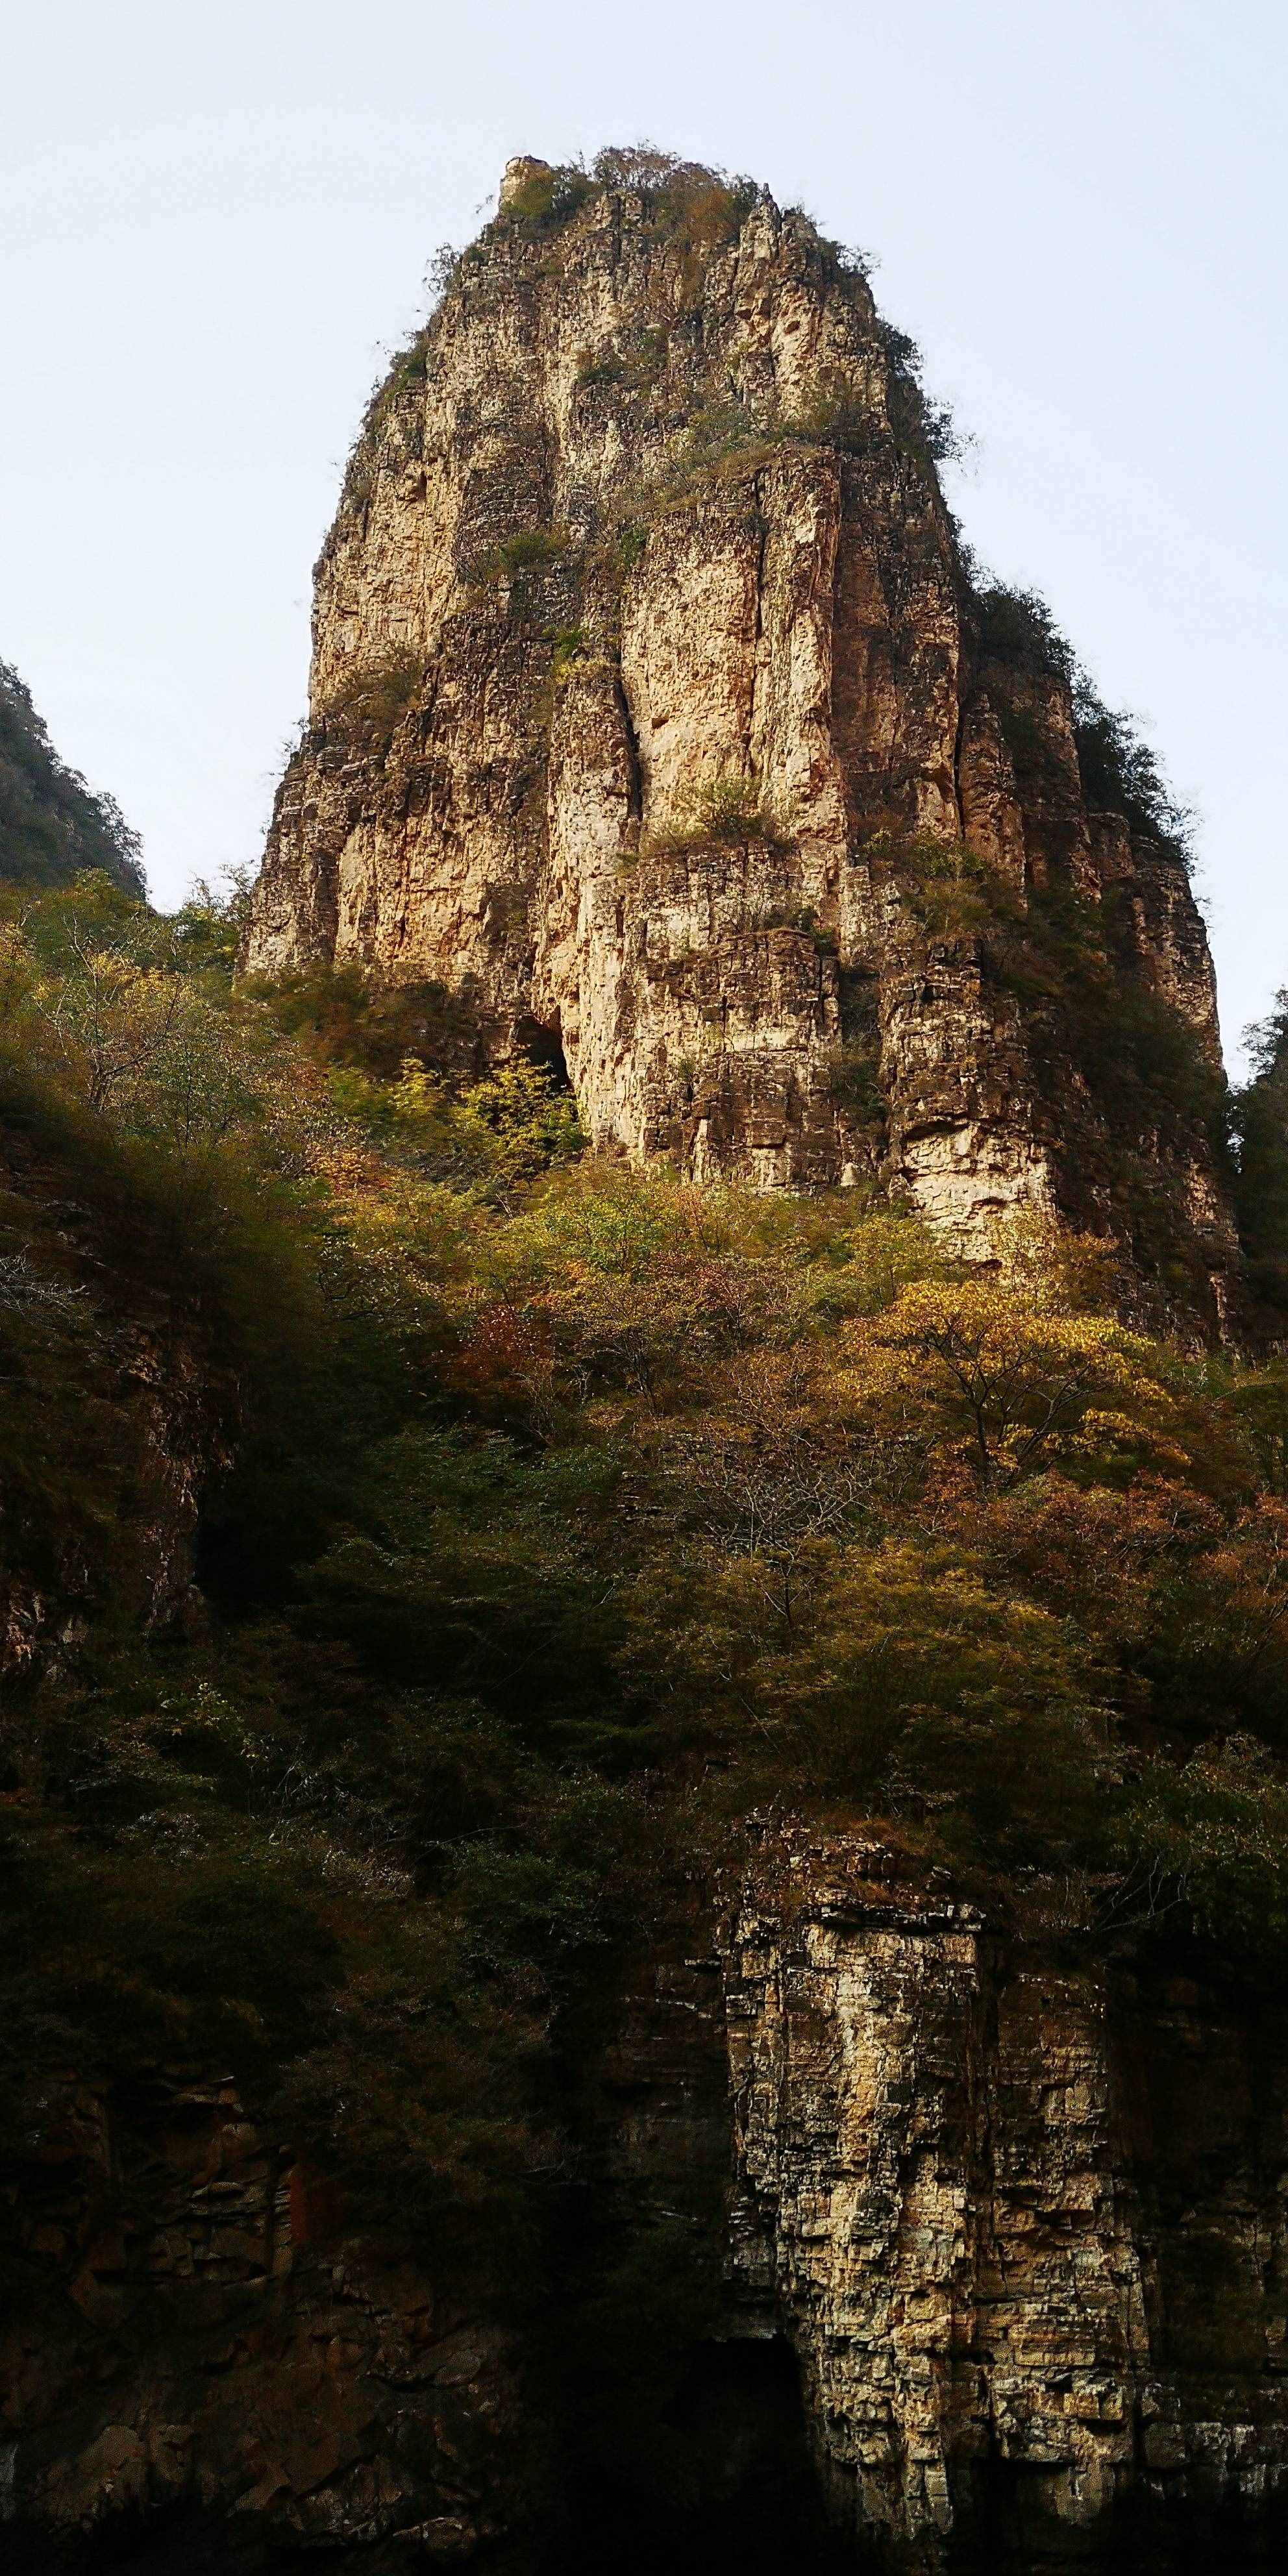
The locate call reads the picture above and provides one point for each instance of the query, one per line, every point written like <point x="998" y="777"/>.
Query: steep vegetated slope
<point x="1261" y="1126"/>
<point x="656" y="714"/>
<point x="637" y="1631"/>
<point x="52" y="826"/>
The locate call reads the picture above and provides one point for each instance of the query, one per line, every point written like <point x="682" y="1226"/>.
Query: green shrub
<point x="493" y="1136"/>
<point x="387" y="411"/>
<point x="443" y="270"/>
<point x="608" y="368"/>
<point x="854" y="1083"/>
<point x="407" y="368"/>
<point x="1026" y="738"/>
<point x="1139" y="1053"/>
<point x="526" y="552"/>
<point x="368" y="705"/>
<point x="1118" y="770"/>
<point x="953" y="893"/>
<point x="1018" y="630"/>
<point x="570" y="643"/>
<point x="720" y="440"/>
<point x="1260" y="1112"/>
<point x="644" y="357"/>
<point x="726" y="808"/>
<point x="802" y="918"/>
<point x="1210" y="1840"/>
<point x="687" y="198"/>
<point x="924" y="427"/>
<point x="342" y="1016"/>
<point x="833" y="414"/>
<point x="547" y="199"/>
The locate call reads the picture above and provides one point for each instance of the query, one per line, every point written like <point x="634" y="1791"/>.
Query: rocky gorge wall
<point x="1025" y="2225"/>
<point x="1002" y="2285"/>
<point x="213" y="2363"/>
<point x="657" y="720"/>
<point x="654" y="713"/>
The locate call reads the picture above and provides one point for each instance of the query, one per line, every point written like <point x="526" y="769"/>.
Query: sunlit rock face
<point x="1023" y="2223"/>
<point x="654" y="714"/>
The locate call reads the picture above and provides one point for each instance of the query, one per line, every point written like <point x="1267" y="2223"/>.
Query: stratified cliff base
<point x="1005" y="2285"/>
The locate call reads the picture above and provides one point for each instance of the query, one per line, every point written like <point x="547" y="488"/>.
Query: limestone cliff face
<point x="998" y="2246"/>
<point x="1025" y="2225"/>
<point x="652" y="710"/>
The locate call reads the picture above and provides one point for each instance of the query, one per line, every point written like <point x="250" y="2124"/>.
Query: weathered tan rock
<point x="645" y="671"/>
<point x="982" y="2194"/>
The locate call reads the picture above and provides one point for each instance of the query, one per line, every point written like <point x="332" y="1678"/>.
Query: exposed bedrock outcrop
<point x="202" y="2352"/>
<point x="651" y="704"/>
<point x="1023" y="2223"/>
<point x="1005" y="2259"/>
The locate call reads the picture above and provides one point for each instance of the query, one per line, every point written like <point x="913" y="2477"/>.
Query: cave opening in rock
<point x="544" y="1046"/>
<point x="719" y="2479"/>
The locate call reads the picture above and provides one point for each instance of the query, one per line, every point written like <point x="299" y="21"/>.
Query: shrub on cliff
<point x="1118" y="770"/>
<point x="367" y="706"/>
<point x="704" y="205"/>
<point x="728" y="807"/>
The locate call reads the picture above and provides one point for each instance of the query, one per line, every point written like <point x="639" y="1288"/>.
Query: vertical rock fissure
<point x="635" y="797"/>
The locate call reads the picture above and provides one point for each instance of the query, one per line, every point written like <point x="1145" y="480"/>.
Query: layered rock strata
<point x="1004" y="2244"/>
<point x="1026" y="2227"/>
<point x="652" y="712"/>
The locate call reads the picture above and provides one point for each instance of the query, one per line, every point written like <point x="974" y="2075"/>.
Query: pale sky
<point x="213" y="222"/>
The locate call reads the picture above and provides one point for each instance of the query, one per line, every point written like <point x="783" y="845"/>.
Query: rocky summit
<point x="657" y="714"/>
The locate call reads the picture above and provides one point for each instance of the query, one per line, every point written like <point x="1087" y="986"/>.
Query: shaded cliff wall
<point x="996" y="2240"/>
<point x="652" y="708"/>
<point x="114" y="1419"/>
<point x="199" y="2346"/>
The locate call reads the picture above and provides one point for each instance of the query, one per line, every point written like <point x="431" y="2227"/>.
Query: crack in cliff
<point x="635" y="786"/>
<point x="758" y="619"/>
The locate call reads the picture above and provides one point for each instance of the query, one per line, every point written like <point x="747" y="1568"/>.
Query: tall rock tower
<point x="653" y="713"/>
